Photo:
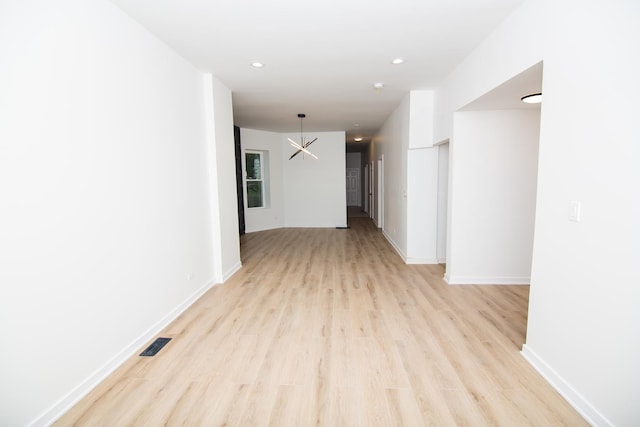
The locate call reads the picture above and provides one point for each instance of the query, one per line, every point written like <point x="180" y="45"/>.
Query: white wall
<point x="421" y="118"/>
<point x="410" y="178"/>
<point x="583" y="317"/>
<point x="422" y="181"/>
<point x="272" y="216"/>
<point x="314" y="190"/>
<point x="422" y="206"/>
<point x="493" y="191"/>
<point x="105" y="199"/>
<point x="443" y="200"/>
<point x="392" y="142"/>
<point x="304" y="192"/>
<point x="222" y="176"/>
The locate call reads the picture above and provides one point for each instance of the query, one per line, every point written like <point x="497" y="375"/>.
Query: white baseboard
<point x="421" y="261"/>
<point x="408" y="260"/>
<point x="575" y="399"/>
<point x="487" y="280"/>
<point x="233" y="270"/>
<point x="81" y="390"/>
<point x="442" y="260"/>
<point x="263" y="228"/>
<point x="394" y="246"/>
<point x="342" y="225"/>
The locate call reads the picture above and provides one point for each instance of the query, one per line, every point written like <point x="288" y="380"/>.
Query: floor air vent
<point x="155" y="347"/>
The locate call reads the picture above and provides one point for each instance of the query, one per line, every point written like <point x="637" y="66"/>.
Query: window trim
<point x="261" y="180"/>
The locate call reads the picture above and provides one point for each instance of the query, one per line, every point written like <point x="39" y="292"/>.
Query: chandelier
<point x="302" y="147"/>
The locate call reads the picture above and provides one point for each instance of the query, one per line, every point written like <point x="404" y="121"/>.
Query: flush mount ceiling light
<point x="257" y="64"/>
<point x="378" y="85"/>
<point x="534" y="98"/>
<point x="397" y="61"/>
<point x="357" y="139"/>
<point x="302" y="147"/>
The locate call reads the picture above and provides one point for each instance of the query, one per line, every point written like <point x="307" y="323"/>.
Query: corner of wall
<point x="231" y="271"/>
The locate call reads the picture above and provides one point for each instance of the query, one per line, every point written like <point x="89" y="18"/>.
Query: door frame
<point x="380" y="193"/>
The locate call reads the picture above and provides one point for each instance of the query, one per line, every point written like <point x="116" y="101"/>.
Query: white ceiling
<point x="321" y="58"/>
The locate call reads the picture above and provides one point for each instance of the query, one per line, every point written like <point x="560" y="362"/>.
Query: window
<point x="254" y="164"/>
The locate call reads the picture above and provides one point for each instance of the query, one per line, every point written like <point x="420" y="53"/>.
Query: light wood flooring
<point x="329" y="327"/>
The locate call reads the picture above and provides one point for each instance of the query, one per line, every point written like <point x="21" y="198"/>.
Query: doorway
<point x="239" y="183"/>
<point x="353" y="187"/>
<point x="492" y="203"/>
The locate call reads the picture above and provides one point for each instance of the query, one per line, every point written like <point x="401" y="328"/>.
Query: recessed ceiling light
<point x="397" y="61"/>
<point x="378" y="85"/>
<point x="357" y="124"/>
<point x="534" y="98"/>
<point x="357" y="139"/>
<point x="257" y="64"/>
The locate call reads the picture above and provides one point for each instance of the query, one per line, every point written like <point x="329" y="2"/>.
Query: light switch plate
<point x="574" y="211"/>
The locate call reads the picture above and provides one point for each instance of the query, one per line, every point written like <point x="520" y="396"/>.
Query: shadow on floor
<point x="356" y="212"/>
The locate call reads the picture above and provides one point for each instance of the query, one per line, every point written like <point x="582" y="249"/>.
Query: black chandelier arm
<point x="309" y="143"/>
<point x="295" y="154"/>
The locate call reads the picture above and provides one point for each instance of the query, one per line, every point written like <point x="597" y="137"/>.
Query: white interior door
<point x="365" y="205"/>
<point x="353" y="184"/>
<point x="371" y="187"/>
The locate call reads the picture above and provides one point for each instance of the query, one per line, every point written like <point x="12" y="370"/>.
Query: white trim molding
<point x="575" y="399"/>
<point x="421" y="261"/>
<point x="249" y="230"/>
<point x="394" y="246"/>
<point x="408" y="260"/>
<point x="487" y="280"/>
<point x="233" y="270"/>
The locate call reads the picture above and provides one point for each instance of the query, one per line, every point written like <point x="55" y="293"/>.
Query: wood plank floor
<point x="329" y="327"/>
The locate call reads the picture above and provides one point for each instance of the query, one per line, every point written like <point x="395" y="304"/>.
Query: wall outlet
<point x="189" y="276"/>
